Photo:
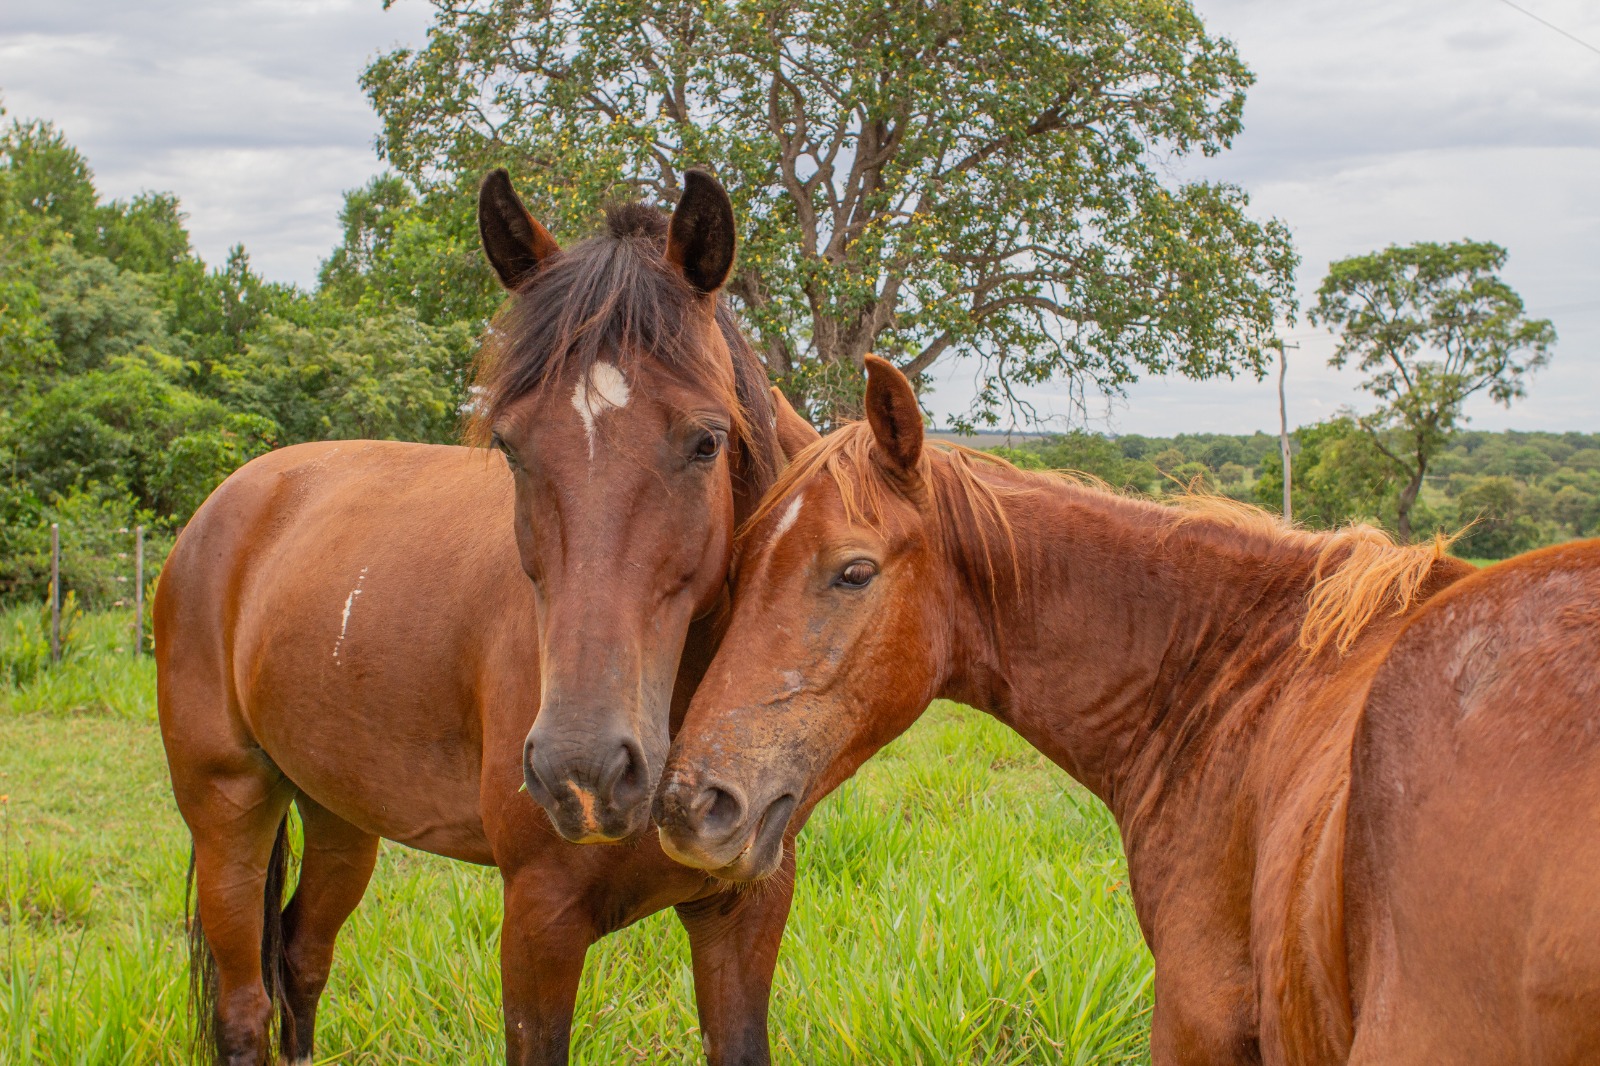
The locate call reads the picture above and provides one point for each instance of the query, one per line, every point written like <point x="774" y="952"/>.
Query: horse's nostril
<point x="625" y="779"/>
<point x="718" y="810"/>
<point x="534" y="784"/>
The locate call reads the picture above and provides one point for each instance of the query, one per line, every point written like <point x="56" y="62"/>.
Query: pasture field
<point x="960" y="901"/>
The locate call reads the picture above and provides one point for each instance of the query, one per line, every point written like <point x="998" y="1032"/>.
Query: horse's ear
<point x="893" y="414"/>
<point x="514" y="243"/>
<point x="794" y="432"/>
<point x="700" y="240"/>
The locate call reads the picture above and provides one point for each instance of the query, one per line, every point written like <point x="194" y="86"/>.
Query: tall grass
<point x="959" y="901"/>
<point x="98" y="673"/>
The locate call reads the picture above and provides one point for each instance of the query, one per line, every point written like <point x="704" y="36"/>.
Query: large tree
<point x="944" y="177"/>
<point x="1431" y="325"/>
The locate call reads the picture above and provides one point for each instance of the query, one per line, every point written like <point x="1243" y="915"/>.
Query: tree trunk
<point x="1408" y="497"/>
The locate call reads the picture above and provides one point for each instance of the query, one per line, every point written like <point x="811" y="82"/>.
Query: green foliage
<point x="47" y="177"/>
<point x="214" y="313"/>
<point x="50" y="181"/>
<point x="96" y="530"/>
<point x="1502" y="524"/>
<point x="1339" y="477"/>
<point x="97" y="676"/>
<point x="25" y="648"/>
<point x="95" y="311"/>
<point x="24" y="536"/>
<point x="145" y="235"/>
<point x="1430" y="325"/>
<point x="133" y="378"/>
<point x="27" y="341"/>
<point x="1087" y="453"/>
<point x="411" y="255"/>
<point x="978" y="181"/>
<point x="1516" y="490"/>
<point x="128" y="425"/>
<point x="387" y="377"/>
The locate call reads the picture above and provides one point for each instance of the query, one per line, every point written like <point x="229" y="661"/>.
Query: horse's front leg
<point x="733" y="939"/>
<point x="546" y="933"/>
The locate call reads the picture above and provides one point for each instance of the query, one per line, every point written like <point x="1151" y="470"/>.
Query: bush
<point x="1502" y="525"/>
<point x="24" y="544"/>
<point x="25" y="643"/>
<point x="97" y="544"/>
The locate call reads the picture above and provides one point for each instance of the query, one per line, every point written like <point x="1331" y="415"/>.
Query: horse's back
<point x="332" y="604"/>
<point x="284" y="521"/>
<point x="1473" y="861"/>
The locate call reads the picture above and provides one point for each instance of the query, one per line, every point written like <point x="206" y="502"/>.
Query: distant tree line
<point x="1511" y="490"/>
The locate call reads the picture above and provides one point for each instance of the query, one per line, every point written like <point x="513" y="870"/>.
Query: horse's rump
<point x="1473" y="860"/>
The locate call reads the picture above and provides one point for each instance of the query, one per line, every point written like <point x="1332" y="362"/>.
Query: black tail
<point x="203" y="965"/>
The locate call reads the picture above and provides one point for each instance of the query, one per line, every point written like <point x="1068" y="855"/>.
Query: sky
<point x="1372" y="122"/>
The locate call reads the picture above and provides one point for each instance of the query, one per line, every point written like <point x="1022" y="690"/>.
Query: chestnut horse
<point x="369" y="629"/>
<point x="1358" y="784"/>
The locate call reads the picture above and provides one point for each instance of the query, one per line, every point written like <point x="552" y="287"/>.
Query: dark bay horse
<point x="368" y="630"/>
<point x="1358" y="784"/>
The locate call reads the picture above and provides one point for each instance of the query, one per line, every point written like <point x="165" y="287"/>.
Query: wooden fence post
<point x="55" y="592"/>
<point x="138" y="590"/>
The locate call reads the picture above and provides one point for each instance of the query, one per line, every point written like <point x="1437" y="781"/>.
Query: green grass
<point x="960" y="901"/>
<point x="98" y="674"/>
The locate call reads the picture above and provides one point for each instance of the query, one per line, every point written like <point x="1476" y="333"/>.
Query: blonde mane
<point x="1360" y="573"/>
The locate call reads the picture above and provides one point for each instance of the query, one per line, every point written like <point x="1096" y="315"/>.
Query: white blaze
<point x="603" y="389"/>
<point x="788" y="517"/>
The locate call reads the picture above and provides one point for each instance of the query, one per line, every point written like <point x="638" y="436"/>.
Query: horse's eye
<point x="709" y="446"/>
<point x="858" y="575"/>
<point x="499" y="445"/>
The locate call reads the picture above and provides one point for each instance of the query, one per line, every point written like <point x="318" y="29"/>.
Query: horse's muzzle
<point x="709" y="825"/>
<point x="595" y="793"/>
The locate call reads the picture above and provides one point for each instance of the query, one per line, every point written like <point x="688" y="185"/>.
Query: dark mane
<point x="614" y="296"/>
<point x="637" y="220"/>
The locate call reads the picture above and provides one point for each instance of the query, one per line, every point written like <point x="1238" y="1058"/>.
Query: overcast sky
<point x="1372" y="122"/>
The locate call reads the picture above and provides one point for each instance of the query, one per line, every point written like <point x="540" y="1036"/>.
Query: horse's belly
<point x="392" y="763"/>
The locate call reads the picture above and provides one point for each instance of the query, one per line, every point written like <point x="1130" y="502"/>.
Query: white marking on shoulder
<point x="789" y="515"/>
<point x="344" y="619"/>
<point x="602" y="389"/>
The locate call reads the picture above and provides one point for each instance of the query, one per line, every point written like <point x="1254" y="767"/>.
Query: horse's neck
<point x="1134" y="630"/>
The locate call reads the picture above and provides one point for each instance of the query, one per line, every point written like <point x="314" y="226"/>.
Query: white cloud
<point x="249" y="111"/>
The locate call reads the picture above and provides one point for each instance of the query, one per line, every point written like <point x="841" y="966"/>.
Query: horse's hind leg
<point x="335" y="866"/>
<point x="733" y="942"/>
<point x="235" y="814"/>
